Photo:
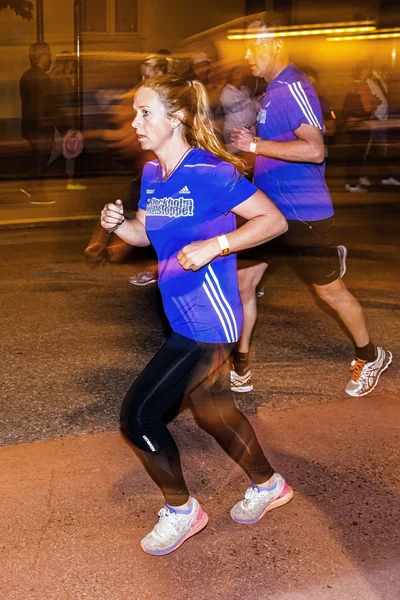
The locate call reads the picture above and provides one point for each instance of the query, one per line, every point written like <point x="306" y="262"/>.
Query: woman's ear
<point x="178" y="119"/>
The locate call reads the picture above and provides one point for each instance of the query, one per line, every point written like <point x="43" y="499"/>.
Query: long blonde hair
<point x="63" y="65"/>
<point x="190" y="97"/>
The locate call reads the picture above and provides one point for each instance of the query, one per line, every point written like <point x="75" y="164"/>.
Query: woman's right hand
<point x="112" y="215"/>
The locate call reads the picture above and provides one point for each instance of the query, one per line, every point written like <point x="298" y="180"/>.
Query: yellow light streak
<point x="373" y="36"/>
<point x="298" y="33"/>
<point x="309" y="26"/>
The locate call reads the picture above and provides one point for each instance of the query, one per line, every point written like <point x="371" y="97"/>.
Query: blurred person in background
<point x="40" y="115"/>
<point x="289" y="149"/>
<point x="190" y="195"/>
<point x="378" y="144"/>
<point x="156" y="64"/>
<point x="216" y="82"/>
<point x="62" y="75"/>
<point x="328" y="114"/>
<point x="359" y="106"/>
<point x="199" y="68"/>
<point x="239" y="107"/>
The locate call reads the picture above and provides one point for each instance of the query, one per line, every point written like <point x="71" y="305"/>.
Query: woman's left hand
<point x="197" y="254"/>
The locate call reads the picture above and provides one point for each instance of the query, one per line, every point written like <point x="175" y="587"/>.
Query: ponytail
<point x="203" y="130"/>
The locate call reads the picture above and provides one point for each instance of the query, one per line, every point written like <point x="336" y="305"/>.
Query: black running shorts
<point x="310" y="245"/>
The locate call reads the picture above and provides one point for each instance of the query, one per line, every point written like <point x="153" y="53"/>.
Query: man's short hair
<point x="36" y="51"/>
<point x="270" y="19"/>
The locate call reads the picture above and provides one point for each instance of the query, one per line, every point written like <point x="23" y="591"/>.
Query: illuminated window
<point x="110" y="16"/>
<point x="126" y="13"/>
<point x="95" y="15"/>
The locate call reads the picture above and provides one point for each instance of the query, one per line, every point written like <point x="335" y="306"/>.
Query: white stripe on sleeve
<point x="200" y="165"/>
<point x="308" y="102"/>
<point x="300" y="102"/>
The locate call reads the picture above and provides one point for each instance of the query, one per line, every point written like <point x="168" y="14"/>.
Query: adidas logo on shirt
<point x="184" y="190"/>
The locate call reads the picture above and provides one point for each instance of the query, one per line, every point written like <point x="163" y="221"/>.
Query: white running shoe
<point x="364" y="181"/>
<point x="355" y="188"/>
<point x="342" y="253"/>
<point x="258" y="501"/>
<point x="241" y="383"/>
<point x="366" y="374"/>
<point x="390" y="181"/>
<point x="143" y="278"/>
<point x="173" y="528"/>
<point x="260" y="290"/>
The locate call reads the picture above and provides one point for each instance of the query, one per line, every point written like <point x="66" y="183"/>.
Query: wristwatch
<point x="224" y="245"/>
<point x="253" y="144"/>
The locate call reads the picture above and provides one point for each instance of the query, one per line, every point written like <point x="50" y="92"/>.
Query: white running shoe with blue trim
<point x="174" y="527"/>
<point x="257" y="501"/>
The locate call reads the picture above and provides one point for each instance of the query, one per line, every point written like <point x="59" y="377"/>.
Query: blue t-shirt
<point x="298" y="189"/>
<point x="193" y="204"/>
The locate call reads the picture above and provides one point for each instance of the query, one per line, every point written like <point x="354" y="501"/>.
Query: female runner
<point x="189" y="198"/>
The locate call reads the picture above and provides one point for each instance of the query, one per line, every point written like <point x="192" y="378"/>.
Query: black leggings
<point x="200" y="371"/>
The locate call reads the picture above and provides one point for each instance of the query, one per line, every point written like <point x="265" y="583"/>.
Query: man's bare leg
<point x="249" y="275"/>
<point x="350" y="311"/>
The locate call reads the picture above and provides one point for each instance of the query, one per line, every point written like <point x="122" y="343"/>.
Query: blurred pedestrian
<point x="239" y="108"/>
<point x="358" y="111"/>
<point x="378" y="143"/>
<point x="328" y="114"/>
<point x="62" y="74"/>
<point x="189" y="195"/>
<point x="40" y="115"/>
<point x="290" y="168"/>
<point x="156" y="64"/>
<point x="199" y="68"/>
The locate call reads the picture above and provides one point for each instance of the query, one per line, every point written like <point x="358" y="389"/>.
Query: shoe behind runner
<point x="241" y="383"/>
<point x="366" y="374"/>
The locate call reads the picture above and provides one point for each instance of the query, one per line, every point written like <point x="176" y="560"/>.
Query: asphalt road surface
<point x="77" y="503"/>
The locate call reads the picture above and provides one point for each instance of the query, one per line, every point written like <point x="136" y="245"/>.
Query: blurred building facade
<point x="118" y="33"/>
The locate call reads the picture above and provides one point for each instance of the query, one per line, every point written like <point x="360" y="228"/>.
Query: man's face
<point x="261" y="54"/>
<point x="46" y="61"/>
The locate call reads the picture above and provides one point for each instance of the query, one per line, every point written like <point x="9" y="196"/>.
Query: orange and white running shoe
<point x="366" y="374"/>
<point x="241" y="383"/>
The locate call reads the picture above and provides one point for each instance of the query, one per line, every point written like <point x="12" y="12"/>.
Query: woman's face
<point x="146" y="72"/>
<point x="152" y="126"/>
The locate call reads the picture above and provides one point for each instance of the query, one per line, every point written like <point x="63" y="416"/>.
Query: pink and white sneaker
<point x="174" y="527"/>
<point x="257" y="501"/>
